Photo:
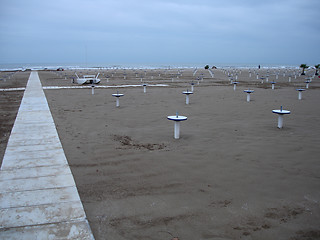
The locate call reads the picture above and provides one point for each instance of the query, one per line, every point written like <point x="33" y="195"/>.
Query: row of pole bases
<point x="300" y="90"/>
<point x="177" y="118"/>
<point x="272" y="84"/>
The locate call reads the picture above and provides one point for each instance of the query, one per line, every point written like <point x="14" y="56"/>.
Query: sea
<point x="54" y="66"/>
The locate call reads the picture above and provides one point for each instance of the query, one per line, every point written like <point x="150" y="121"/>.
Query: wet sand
<point x="231" y="175"/>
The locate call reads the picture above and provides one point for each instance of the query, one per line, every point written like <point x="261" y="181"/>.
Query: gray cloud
<point x="160" y="31"/>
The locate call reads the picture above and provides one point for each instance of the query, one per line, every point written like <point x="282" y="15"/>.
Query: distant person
<point x="259" y="66"/>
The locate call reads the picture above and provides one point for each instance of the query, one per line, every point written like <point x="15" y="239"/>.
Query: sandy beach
<point x="232" y="174"/>
<point x="9" y="104"/>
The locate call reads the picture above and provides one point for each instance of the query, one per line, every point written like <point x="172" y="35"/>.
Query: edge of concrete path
<point x="38" y="195"/>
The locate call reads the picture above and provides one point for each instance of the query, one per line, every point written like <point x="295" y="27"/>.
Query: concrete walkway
<point x="38" y="195"/>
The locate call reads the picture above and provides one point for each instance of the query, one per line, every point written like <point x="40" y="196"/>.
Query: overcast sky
<point x="160" y="31"/>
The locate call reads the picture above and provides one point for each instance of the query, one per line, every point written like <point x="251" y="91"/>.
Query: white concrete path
<point x="38" y="195"/>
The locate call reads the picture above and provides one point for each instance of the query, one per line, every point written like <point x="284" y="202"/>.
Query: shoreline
<point x="75" y="66"/>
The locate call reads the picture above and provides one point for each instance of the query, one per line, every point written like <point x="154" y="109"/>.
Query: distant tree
<point x="303" y="66"/>
<point x="317" y="69"/>
<point x="206" y="67"/>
